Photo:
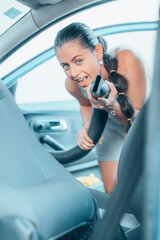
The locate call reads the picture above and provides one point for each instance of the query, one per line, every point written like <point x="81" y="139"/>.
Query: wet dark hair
<point x="87" y="39"/>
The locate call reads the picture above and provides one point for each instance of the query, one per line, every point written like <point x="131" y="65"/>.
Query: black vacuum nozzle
<point x="99" y="88"/>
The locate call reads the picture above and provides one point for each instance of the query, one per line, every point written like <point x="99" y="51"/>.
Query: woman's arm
<point x="131" y="67"/>
<point x="85" y="106"/>
<point x="83" y="140"/>
<point x="86" y="112"/>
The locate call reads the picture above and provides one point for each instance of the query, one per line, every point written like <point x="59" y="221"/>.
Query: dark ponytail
<point x="119" y="82"/>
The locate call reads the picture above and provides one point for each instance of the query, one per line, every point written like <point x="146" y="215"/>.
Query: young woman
<point x="83" y="56"/>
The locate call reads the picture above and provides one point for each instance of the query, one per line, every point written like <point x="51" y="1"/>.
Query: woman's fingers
<point x="94" y="102"/>
<point x="104" y="103"/>
<point x="84" y="141"/>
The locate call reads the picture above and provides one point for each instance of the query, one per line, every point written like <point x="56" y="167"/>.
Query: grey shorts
<point x="114" y="135"/>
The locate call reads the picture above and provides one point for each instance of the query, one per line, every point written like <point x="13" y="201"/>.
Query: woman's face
<point x="79" y="64"/>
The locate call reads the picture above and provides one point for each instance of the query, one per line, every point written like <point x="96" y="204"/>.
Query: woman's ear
<point x="99" y="51"/>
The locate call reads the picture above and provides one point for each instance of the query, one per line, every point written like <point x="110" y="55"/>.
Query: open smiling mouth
<point x="80" y="79"/>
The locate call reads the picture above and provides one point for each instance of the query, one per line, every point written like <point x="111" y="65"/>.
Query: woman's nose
<point x="74" y="71"/>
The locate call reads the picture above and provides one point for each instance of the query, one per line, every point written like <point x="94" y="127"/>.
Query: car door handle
<point x="58" y="125"/>
<point x="50" y="125"/>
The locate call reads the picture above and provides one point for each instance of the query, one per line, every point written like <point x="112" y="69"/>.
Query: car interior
<point x="40" y="198"/>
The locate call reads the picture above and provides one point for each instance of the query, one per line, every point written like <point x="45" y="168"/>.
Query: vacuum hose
<point x="98" y="88"/>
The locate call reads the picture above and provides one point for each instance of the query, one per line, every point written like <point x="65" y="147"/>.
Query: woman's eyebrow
<point x="76" y="57"/>
<point x="62" y="63"/>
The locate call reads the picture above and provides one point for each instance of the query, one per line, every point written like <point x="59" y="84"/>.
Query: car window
<point x="45" y="82"/>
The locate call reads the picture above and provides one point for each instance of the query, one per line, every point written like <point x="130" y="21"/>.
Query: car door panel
<point x="61" y="122"/>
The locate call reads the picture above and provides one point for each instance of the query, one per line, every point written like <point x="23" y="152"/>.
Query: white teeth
<point x="81" y="79"/>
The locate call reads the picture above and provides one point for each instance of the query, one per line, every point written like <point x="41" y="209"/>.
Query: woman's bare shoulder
<point x="126" y="55"/>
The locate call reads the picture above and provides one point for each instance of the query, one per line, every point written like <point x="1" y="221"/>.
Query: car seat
<point x="128" y="195"/>
<point x="137" y="173"/>
<point x="39" y="199"/>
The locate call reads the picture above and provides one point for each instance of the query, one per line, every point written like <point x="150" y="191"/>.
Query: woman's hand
<point x="83" y="140"/>
<point x="107" y="104"/>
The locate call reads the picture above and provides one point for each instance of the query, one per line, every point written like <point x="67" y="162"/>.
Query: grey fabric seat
<point x="129" y="193"/>
<point x="34" y="187"/>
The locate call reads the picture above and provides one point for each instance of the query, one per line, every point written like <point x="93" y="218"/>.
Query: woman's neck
<point x="104" y="73"/>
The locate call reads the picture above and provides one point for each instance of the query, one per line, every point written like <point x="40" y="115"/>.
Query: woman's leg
<point x="109" y="174"/>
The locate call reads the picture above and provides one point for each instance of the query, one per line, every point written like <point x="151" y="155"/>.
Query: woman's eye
<point x="65" y="66"/>
<point x="79" y="61"/>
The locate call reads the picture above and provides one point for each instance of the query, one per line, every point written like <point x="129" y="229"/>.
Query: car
<point x="41" y="194"/>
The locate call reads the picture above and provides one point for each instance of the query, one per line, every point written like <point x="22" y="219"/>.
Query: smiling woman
<point x="83" y="56"/>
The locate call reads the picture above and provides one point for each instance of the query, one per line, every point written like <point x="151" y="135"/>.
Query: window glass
<point x="42" y="84"/>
